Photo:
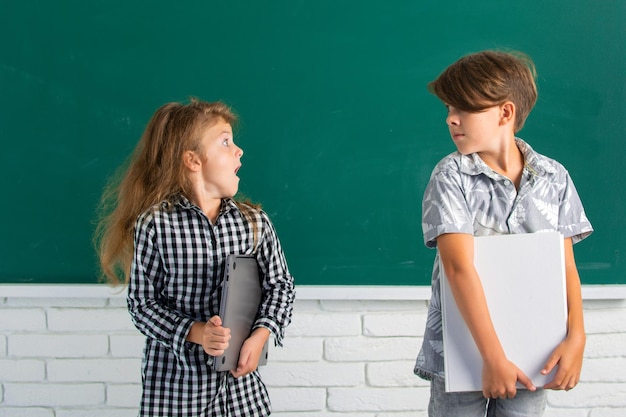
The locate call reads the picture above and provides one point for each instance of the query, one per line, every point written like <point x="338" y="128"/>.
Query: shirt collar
<point x="179" y="199"/>
<point x="473" y="165"/>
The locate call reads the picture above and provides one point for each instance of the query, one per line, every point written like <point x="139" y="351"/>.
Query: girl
<point x="172" y="222"/>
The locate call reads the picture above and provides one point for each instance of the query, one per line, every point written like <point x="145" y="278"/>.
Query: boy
<point x="495" y="184"/>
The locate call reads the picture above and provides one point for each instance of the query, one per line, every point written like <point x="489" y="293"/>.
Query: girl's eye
<point x="225" y="142"/>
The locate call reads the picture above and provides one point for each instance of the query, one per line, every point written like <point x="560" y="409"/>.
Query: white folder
<point x="523" y="277"/>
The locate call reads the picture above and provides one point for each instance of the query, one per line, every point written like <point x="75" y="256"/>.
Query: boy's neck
<point x="506" y="159"/>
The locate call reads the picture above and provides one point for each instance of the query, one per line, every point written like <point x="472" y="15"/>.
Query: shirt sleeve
<point x="278" y="287"/>
<point x="147" y="309"/>
<point x="444" y="208"/>
<point x="573" y="221"/>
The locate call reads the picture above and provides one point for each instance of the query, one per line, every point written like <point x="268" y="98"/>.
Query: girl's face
<point x="220" y="159"/>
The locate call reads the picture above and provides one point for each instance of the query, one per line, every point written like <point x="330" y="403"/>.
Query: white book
<point x="523" y="277"/>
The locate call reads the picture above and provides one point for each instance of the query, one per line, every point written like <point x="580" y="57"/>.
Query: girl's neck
<point x="210" y="206"/>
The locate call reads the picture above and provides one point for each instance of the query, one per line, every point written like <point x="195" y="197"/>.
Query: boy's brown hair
<point x="486" y="79"/>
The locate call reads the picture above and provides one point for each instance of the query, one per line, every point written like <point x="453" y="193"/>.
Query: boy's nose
<point x="452" y="120"/>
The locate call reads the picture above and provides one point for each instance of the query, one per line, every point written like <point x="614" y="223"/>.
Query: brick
<point x="604" y="304"/>
<point x="314" y="374"/>
<point x="123" y="395"/>
<point x="46" y="303"/>
<point x="297" y="399"/>
<point x="374" y="305"/>
<point x="589" y="395"/>
<point x="605" y="345"/>
<point x="327" y="324"/>
<point x="297" y="349"/>
<point x="127" y="345"/>
<point x="98" y="412"/>
<point x="26" y="412"/>
<point x="306" y="306"/>
<point x="58" y="345"/>
<point x="555" y="412"/>
<point x="94" y="370"/>
<point x="604" y="370"/>
<point x="423" y="413"/>
<point x="51" y="395"/>
<point x="392" y="324"/>
<point x="3" y="345"/>
<point x="377" y="399"/>
<point x="118" y="302"/>
<point x="607" y="412"/>
<point x="89" y="320"/>
<point x="393" y="374"/>
<point x="371" y="349"/>
<point x="22" y="370"/>
<point x="317" y="414"/>
<point x="22" y="319"/>
<point x="605" y="321"/>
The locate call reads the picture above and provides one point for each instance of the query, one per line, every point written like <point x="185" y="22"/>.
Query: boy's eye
<point x="225" y="142"/>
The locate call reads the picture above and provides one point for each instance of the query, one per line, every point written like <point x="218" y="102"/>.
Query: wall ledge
<point x="303" y="292"/>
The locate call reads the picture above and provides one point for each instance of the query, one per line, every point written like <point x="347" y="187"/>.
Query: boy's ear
<point x="507" y="113"/>
<point x="192" y="161"/>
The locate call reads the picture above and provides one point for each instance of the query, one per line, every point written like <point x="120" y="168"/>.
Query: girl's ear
<point x="507" y="113"/>
<point x="192" y="161"/>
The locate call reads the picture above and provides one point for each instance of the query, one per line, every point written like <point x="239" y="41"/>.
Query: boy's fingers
<point x="550" y="364"/>
<point x="525" y="381"/>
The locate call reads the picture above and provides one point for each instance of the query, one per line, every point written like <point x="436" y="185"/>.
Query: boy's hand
<point x="215" y="337"/>
<point x="569" y="357"/>
<point x="251" y="352"/>
<point x="500" y="378"/>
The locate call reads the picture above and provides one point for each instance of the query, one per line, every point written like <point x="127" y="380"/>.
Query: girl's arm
<point x="569" y="354"/>
<point x="500" y="376"/>
<point x="251" y="352"/>
<point x="278" y="286"/>
<point x="149" y="314"/>
<point x="213" y="337"/>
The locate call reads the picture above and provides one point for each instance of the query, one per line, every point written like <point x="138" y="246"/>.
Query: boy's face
<point x="476" y="132"/>
<point x="220" y="159"/>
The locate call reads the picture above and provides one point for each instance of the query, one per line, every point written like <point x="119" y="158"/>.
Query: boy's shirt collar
<point x="537" y="165"/>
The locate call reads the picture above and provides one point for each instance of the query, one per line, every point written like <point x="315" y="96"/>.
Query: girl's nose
<point x="239" y="152"/>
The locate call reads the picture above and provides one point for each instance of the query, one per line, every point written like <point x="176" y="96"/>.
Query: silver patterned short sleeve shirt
<point x="464" y="195"/>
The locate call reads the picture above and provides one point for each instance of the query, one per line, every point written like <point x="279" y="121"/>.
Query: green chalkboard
<point x="339" y="131"/>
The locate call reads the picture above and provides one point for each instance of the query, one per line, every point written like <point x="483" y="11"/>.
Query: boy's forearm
<point x="470" y="299"/>
<point x="469" y="294"/>
<point x="575" y="319"/>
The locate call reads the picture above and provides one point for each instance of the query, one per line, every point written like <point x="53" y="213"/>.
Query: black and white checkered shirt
<point x="175" y="280"/>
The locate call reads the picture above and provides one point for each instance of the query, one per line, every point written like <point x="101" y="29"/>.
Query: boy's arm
<point x="499" y="374"/>
<point x="569" y="354"/>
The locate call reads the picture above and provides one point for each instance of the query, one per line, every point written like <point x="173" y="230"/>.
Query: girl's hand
<point x="500" y="379"/>
<point x="251" y="352"/>
<point x="569" y="357"/>
<point x="215" y="337"/>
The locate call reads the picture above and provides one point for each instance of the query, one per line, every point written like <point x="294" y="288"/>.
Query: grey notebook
<point x="241" y="297"/>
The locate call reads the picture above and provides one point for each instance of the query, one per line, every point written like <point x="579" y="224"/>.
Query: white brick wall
<point x="79" y="356"/>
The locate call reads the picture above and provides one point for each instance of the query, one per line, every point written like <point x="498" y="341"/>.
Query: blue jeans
<point x="473" y="404"/>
